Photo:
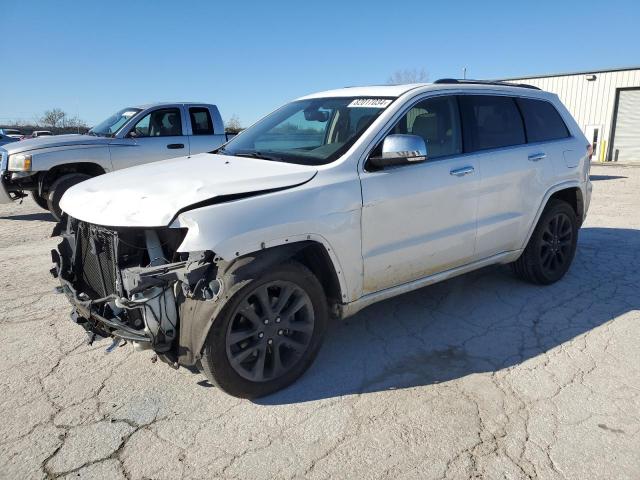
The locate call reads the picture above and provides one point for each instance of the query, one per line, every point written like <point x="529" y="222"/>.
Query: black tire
<point x="57" y="189"/>
<point x="217" y="353"/>
<point x="40" y="201"/>
<point x="552" y="246"/>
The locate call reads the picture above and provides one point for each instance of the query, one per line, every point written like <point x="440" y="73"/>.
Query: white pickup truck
<point x="233" y="262"/>
<point x="48" y="165"/>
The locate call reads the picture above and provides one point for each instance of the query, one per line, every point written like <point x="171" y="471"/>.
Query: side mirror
<point x="400" y="149"/>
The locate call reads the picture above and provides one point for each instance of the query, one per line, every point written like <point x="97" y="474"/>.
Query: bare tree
<point x="233" y="124"/>
<point x="53" y="118"/>
<point x="408" y="76"/>
<point x="73" y="122"/>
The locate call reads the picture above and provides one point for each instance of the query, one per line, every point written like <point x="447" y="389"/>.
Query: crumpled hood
<point x="34" y="144"/>
<point x="151" y="195"/>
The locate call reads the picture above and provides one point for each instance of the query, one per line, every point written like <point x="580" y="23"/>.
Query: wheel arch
<point x="569" y="192"/>
<point x="197" y="316"/>
<point x="89" y="168"/>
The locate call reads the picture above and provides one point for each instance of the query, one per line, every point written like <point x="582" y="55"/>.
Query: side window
<point x="490" y="122"/>
<point x="165" y="122"/>
<point x="437" y="121"/>
<point x="541" y="120"/>
<point x="201" y="123"/>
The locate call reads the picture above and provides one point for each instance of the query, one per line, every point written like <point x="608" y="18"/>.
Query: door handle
<point x="461" y="172"/>
<point x="175" y="146"/>
<point x="534" y="157"/>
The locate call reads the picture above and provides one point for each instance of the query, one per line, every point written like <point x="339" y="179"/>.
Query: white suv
<point x="232" y="262"/>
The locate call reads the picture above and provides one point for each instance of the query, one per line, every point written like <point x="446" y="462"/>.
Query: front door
<point x="420" y="219"/>
<point x="157" y="136"/>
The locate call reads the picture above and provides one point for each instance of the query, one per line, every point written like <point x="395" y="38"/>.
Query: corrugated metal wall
<point x="590" y="102"/>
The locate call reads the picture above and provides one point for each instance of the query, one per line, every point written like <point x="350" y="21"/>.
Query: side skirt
<point x="354" y="307"/>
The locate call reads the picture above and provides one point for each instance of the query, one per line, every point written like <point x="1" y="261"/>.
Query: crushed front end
<point x="129" y="283"/>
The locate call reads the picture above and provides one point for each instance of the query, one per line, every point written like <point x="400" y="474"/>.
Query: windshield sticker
<point x="370" y="103"/>
<point x="128" y="114"/>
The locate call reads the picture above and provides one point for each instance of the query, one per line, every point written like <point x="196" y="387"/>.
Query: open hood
<point x="151" y="195"/>
<point x="32" y="144"/>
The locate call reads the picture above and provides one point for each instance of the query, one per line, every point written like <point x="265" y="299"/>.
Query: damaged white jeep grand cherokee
<point x="232" y="262"/>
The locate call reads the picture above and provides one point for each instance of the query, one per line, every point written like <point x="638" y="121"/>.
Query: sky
<point x="93" y="58"/>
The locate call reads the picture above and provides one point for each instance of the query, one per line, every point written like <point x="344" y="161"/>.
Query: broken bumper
<point x="85" y="312"/>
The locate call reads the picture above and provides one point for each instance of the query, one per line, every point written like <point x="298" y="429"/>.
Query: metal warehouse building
<point x="605" y="103"/>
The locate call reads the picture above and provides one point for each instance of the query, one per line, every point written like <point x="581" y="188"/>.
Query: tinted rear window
<point x="542" y="120"/>
<point x="490" y="122"/>
<point x="201" y="121"/>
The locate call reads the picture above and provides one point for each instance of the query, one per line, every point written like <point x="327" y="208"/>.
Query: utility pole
<point x="464" y="73"/>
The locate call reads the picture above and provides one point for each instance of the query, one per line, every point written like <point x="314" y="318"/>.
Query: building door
<point x="626" y="138"/>
<point x="593" y="134"/>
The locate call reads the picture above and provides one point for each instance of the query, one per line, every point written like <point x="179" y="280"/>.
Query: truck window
<point x="201" y="123"/>
<point x="436" y="120"/>
<point x="541" y="120"/>
<point x="490" y="121"/>
<point x="165" y="122"/>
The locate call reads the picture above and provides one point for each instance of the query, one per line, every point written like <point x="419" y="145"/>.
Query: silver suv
<point x="233" y="262"/>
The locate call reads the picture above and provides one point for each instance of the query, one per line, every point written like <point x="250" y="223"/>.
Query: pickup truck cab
<point x="233" y="262"/>
<point x="47" y="166"/>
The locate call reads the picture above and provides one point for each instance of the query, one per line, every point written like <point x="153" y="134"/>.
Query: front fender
<point x="328" y="214"/>
<point x="44" y="160"/>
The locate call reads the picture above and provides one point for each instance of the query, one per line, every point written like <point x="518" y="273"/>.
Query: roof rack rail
<point x="484" y="82"/>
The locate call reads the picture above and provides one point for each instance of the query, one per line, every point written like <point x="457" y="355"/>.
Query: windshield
<point x="311" y="132"/>
<point x="115" y="122"/>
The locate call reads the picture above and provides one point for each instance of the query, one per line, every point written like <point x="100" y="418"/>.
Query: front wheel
<point x="552" y="245"/>
<point x="268" y="334"/>
<point x="58" y="188"/>
<point x="40" y="201"/>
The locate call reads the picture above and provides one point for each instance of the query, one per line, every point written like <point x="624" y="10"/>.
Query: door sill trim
<point x="354" y="307"/>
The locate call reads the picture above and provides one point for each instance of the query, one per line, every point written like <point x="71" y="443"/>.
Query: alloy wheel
<point x="556" y="243"/>
<point x="269" y="331"/>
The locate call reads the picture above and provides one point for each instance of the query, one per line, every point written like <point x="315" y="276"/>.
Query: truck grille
<point x="97" y="265"/>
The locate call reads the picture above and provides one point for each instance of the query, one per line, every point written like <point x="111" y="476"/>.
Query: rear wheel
<point x="57" y="189"/>
<point x="552" y="245"/>
<point x="268" y="334"/>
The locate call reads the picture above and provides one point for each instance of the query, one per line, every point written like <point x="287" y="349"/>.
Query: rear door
<point x="516" y="171"/>
<point x="420" y="219"/>
<point x="156" y="136"/>
<point x="202" y="136"/>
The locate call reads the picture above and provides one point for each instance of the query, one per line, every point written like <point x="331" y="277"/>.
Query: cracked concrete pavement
<point x="482" y="376"/>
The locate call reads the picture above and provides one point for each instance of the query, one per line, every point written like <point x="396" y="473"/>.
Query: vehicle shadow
<point x="42" y="217"/>
<point x="596" y="178"/>
<point x="480" y="322"/>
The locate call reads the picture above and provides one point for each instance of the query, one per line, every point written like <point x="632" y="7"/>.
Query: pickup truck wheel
<point x="268" y="334"/>
<point x="57" y="189"/>
<point x="552" y="245"/>
<point x="40" y="201"/>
